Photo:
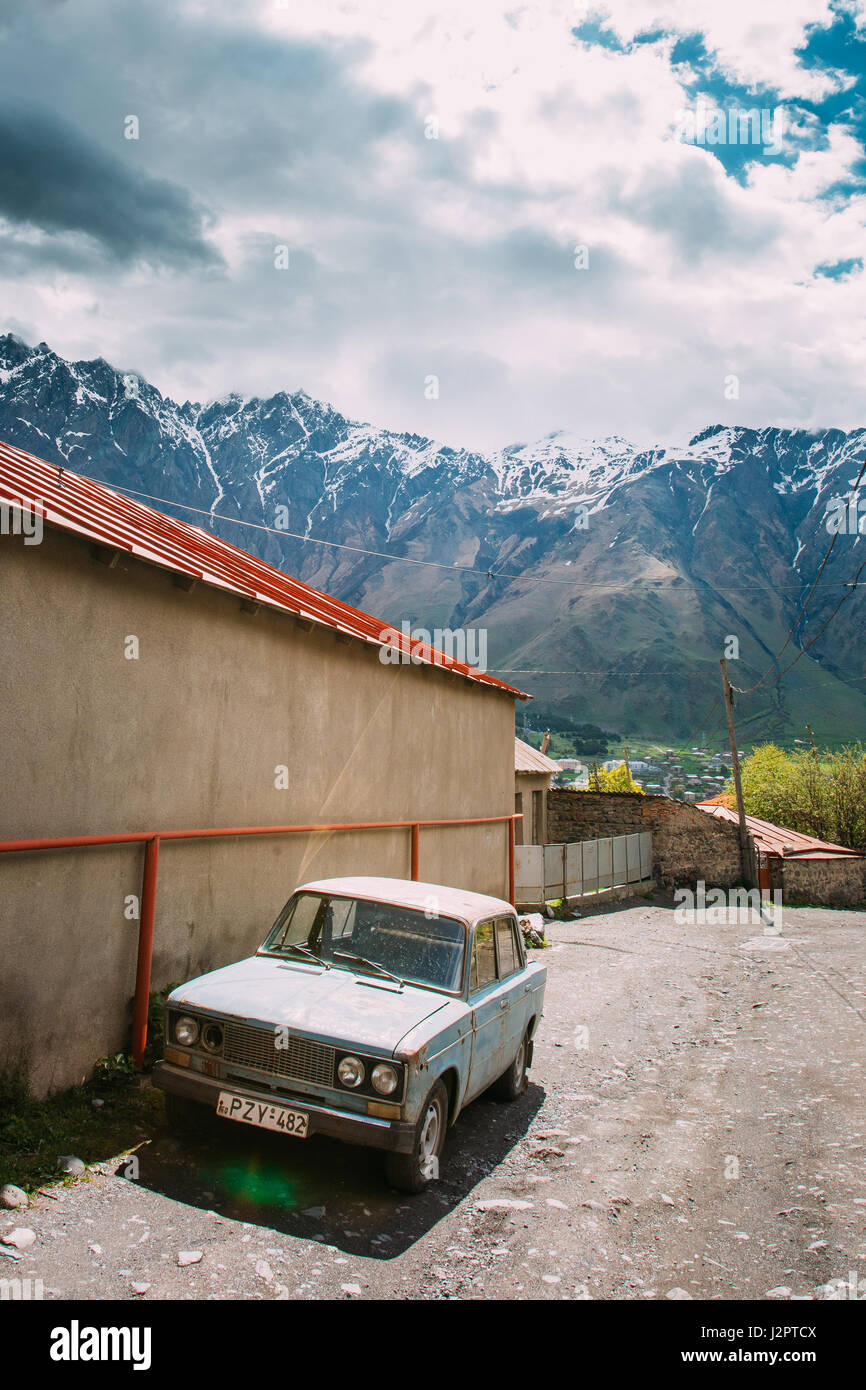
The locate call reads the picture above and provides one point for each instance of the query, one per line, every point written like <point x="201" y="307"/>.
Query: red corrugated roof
<point x="77" y="504"/>
<point x="776" y="839"/>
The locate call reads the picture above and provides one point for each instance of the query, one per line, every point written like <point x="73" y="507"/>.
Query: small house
<point x="533" y="772"/>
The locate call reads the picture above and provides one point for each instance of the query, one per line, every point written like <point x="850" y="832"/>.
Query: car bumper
<point x="366" y="1130"/>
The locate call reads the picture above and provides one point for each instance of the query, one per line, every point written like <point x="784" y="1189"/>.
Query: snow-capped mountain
<point x="609" y="578"/>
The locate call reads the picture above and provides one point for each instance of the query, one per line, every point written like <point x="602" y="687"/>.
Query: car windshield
<point x="379" y="938"/>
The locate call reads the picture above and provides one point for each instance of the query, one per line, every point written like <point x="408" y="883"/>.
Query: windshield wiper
<point x="303" y="951"/>
<point x="371" y="964"/>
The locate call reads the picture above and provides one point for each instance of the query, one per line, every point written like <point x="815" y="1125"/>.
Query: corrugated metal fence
<point x="544" y="872"/>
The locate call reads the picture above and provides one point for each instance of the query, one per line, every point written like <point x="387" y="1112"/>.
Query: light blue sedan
<point x="376" y="1009"/>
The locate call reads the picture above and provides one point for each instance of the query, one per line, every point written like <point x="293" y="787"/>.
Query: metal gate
<point x="545" y="872"/>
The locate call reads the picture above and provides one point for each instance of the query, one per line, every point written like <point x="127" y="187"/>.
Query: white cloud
<point x="454" y="257"/>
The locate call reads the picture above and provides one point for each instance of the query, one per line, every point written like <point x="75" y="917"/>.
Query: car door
<point x="509" y="942"/>
<point x="509" y="958"/>
<point x="488" y="1001"/>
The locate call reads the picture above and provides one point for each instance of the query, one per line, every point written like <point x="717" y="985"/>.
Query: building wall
<point x="526" y="784"/>
<point x="688" y="844"/>
<point x="191" y="734"/>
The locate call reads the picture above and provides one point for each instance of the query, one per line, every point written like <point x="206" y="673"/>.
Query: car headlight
<point x="384" y="1078"/>
<point x="186" y="1031"/>
<point x="351" y="1071"/>
<point x="213" y="1037"/>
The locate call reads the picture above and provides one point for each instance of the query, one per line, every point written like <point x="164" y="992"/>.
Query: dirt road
<point x="694" y="1125"/>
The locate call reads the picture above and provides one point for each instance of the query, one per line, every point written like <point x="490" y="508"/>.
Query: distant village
<point x="662" y="776"/>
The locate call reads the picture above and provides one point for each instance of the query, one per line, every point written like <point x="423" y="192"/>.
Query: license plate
<point x="263" y="1114"/>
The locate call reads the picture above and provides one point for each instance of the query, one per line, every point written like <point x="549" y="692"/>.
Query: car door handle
<point x="503" y="1003"/>
<point x="527" y="987"/>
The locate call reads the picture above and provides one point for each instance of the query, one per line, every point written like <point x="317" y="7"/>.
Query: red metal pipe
<point x="151" y="841"/>
<point x="142" y="836"/>
<point x="145" y="951"/>
<point x="74" y="842"/>
<point x="416" y="848"/>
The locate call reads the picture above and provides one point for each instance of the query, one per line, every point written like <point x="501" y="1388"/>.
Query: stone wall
<point x="828" y="882"/>
<point x="688" y="844"/>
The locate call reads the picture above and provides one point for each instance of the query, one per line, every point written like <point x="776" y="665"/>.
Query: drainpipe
<point x="145" y="950"/>
<point x="416" y="850"/>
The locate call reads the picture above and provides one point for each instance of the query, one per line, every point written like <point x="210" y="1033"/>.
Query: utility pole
<point x="738" y="786"/>
<point x="812" y="740"/>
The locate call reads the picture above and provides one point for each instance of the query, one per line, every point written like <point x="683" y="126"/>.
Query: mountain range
<point x="610" y="579"/>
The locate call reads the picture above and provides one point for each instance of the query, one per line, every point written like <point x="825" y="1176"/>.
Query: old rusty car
<point x="376" y="1009"/>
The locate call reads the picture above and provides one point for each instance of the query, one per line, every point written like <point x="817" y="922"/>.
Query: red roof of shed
<point x="85" y="508"/>
<point x="776" y="839"/>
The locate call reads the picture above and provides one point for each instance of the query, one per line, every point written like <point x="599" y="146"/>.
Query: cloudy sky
<point x="431" y="167"/>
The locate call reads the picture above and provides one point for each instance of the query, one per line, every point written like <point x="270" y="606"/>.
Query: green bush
<point x="156" y="1025"/>
<point x="822" y="795"/>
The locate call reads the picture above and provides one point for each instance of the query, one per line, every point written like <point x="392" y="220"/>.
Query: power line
<point x="850" y="585"/>
<point x="574" y="671"/>
<point x="824" y="627"/>
<point x="462" y="569"/>
<point x="808" y="597"/>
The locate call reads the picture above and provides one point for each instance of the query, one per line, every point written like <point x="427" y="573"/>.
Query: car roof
<point x="404" y="892"/>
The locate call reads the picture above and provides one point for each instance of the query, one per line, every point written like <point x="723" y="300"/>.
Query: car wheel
<point x="413" y="1171"/>
<point x="512" y="1083"/>
<point x="187" y="1116"/>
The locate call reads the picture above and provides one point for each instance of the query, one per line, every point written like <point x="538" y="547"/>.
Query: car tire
<point x="187" y="1116"/>
<point x="413" y="1171"/>
<point x="512" y="1083"/>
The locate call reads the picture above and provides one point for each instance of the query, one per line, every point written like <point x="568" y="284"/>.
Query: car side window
<point x="340" y="920"/>
<point x="508" y="962"/>
<point x="483" y="957"/>
<point x="519" y="953"/>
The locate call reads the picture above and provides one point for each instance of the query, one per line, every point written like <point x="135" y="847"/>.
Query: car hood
<point x="330" y="1005"/>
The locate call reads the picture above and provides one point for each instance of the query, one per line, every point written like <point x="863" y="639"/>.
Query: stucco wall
<point x="525" y="785"/>
<point x="190" y="735"/>
<point x="688" y="844"/>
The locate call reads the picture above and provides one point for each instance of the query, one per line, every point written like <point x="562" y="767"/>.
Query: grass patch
<point x="34" y="1133"/>
<point x="820" y="907"/>
<point x="561" y="912"/>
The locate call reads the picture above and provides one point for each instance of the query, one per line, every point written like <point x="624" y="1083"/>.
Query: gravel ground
<point x="694" y="1126"/>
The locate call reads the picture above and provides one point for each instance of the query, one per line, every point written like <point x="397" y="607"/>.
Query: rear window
<point x="508" y="962"/>
<point x="483" y="957"/>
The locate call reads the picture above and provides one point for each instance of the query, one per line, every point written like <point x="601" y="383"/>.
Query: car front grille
<point x="300" y="1059"/>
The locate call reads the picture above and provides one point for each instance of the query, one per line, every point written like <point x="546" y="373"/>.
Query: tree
<point x="821" y="795"/>
<point x="617" y="779"/>
<point x="770" y="785"/>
